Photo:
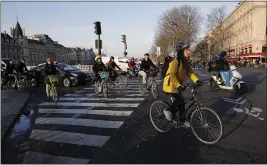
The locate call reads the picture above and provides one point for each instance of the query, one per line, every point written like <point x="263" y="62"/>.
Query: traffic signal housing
<point x="97" y="28"/>
<point x="123" y="38"/>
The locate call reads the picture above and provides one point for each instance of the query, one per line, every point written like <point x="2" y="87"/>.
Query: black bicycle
<point x="213" y="128"/>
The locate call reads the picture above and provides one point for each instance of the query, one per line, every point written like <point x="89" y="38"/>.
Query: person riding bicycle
<point x="145" y="66"/>
<point x="173" y="81"/>
<point x="132" y="65"/>
<point x="111" y="65"/>
<point x="98" y="67"/>
<point x="22" y="66"/>
<point x="10" y="67"/>
<point x="50" y="69"/>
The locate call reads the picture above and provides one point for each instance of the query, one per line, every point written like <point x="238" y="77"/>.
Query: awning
<point x="253" y="55"/>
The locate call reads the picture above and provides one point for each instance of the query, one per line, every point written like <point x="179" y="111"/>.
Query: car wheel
<point x="34" y="82"/>
<point x="66" y="82"/>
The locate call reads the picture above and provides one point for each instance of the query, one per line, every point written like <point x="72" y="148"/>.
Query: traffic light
<point x="97" y="28"/>
<point x="125" y="53"/>
<point x="123" y="38"/>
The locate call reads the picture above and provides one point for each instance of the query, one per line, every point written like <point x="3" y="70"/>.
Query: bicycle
<point x="53" y="80"/>
<point x="151" y="84"/>
<point x="121" y="80"/>
<point x="102" y="83"/>
<point x="193" y="117"/>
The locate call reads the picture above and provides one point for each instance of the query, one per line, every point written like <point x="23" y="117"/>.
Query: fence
<point x="80" y="67"/>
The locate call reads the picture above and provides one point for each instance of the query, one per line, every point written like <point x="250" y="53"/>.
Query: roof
<point x="18" y="30"/>
<point x="6" y="36"/>
<point x="35" y="41"/>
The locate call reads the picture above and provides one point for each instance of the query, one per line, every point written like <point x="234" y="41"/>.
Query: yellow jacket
<point x="175" y="77"/>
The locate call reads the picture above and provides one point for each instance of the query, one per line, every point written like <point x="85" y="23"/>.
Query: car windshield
<point x="69" y="68"/>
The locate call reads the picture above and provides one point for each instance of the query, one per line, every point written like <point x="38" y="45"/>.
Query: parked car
<point x="68" y="75"/>
<point x="122" y="62"/>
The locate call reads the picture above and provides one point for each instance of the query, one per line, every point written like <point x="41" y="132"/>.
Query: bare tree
<point x="214" y="26"/>
<point x="176" y="25"/>
<point x="201" y="49"/>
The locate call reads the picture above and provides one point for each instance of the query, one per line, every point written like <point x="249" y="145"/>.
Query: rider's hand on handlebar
<point x="199" y="83"/>
<point x="181" y="88"/>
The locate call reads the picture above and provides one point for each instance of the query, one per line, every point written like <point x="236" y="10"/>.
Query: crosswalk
<point x="80" y="123"/>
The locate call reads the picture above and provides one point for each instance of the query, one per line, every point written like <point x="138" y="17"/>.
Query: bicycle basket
<point x="104" y="75"/>
<point x="53" y="79"/>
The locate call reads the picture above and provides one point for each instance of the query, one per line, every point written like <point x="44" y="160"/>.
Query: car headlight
<point x="73" y="74"/>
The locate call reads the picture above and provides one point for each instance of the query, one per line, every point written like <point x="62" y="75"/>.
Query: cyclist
<point x="10" y="67"/>
<point x="173" y="81"/>
<point x="49" y="69"/>
<point x="111" y="65"/>
<point x="132" y="65"/>
<point x="22" y="66"/>
<point x="145" y="66"/>
<point x="98" y="67"/>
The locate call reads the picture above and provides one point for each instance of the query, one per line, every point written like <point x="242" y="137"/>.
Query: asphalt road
<point x="84" y="128"/>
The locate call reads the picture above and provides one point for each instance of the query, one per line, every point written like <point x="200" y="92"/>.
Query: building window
<point x="263" y="48"/>
<point x="250" y="49"/>
<point x="246" y="50"/>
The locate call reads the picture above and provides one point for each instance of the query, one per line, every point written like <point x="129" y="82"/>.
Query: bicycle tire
<point x="194" y="131"/>
<point x="123" y="82"/>
<point x="97" y="88"/>
<point x="104" y="88"/>
<point x="55" y="96"/>
<point x="154" y="92"/>
<point x="152" y="109"/>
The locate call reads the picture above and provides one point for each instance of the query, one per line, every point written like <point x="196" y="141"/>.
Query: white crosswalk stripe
<point x="80" y="123"/>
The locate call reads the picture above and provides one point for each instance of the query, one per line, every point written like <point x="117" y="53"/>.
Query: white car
<point x="121" y="61"/>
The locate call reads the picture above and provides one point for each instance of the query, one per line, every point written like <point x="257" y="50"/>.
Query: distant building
<point x="10" y="47"/>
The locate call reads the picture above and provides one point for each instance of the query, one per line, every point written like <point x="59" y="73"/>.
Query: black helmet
<point x="223" y="53"/>
<point x="146" y="54"/>
<point x="112" y="57"/>
<point x="182" y="46"/>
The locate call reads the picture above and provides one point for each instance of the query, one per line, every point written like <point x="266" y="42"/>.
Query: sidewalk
<point x="12" y="101"/>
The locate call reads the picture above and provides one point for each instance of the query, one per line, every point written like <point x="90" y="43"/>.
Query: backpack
<point x="165" y="66"/>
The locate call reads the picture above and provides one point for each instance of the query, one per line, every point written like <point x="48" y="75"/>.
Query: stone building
<point x="10" y="48"/>
<point x="35" y="49"/>
<point x="245" y="30"/>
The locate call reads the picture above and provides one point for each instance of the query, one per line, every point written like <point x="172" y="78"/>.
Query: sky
<point x="71" y="23"/>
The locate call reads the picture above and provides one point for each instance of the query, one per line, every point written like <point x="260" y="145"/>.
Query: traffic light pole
<point x="99" y="48"/>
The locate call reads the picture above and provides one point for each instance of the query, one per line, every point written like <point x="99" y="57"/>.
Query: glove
<point x="181" y="88"/>
<point x="199" y="83"/>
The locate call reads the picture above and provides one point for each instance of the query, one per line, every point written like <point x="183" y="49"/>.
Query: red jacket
<point x="131" y="64"/>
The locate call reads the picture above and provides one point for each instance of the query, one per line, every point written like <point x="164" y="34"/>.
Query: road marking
<point x="90" y="104"/>
<point x="235" y="101"/>
<point x="92" y="88"/>
<point x="86" y="111"/>
<point x="42" y="158"/>
<point x="79" y="122"/>
<point x="96" y="99"/>
<point x="69" y="137"/>
<point x="254" y="112"/>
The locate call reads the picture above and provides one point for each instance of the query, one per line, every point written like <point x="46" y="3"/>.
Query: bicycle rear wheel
<point x="105" y="88"/>
<point x="122" y="81"/>
<point x="55" y="96"/>
<point x="212" y="129"/>
<point x="154" y="89"/>
<point x="158" y="118"/>
<point x="97" y="91"/>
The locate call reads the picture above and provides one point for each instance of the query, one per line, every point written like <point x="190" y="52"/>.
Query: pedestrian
<point x="49" y="69"/>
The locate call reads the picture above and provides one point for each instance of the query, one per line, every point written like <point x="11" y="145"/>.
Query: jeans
<point x="143" y="74"/>
<point x="179" y="102"/>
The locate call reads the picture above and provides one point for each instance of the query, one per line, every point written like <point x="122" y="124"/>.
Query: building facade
<point x="34" y="49"/>
<point x="245" y="31"/>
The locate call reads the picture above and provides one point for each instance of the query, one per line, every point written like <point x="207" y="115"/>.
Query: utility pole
<point x="98" y="43"/>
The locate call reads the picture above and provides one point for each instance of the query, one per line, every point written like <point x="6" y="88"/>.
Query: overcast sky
<point x="71" y="23"/>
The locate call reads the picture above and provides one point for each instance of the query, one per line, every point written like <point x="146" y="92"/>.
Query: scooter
<point x="229" y="79"/>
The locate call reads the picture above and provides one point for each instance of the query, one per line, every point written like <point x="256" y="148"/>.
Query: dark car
<point x="68" y="75"/>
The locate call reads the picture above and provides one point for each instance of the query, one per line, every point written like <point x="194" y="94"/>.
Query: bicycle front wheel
<point x="105" y="88"/>
<point x="123" y="81"/>
<point x="154" y="89"/>
<point x="158" y="118"/>
<point x="206" y="125"/>
<point x="55" y="96"/>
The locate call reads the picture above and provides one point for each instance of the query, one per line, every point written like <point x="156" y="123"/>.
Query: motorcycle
<point x="229" y="79"/>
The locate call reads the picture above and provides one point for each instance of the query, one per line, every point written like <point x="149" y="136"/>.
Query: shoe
<point x="168" y="115"/>
<point x="186" y="124"/>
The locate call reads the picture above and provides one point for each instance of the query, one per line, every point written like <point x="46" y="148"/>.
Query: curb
<point x="13" y="123"/>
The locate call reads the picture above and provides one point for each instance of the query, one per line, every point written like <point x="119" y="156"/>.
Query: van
<point x="122" y="62"/>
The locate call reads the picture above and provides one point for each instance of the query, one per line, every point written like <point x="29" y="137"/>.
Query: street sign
<point x="96" y="44"/>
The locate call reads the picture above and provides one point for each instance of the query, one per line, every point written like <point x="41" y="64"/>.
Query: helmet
<point x="97" y="57"/>
<point x="146" y="54"/>
<point x="182" y="46"/>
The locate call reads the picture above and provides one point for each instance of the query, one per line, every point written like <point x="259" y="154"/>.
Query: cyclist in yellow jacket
<point x="178" y="69"/>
